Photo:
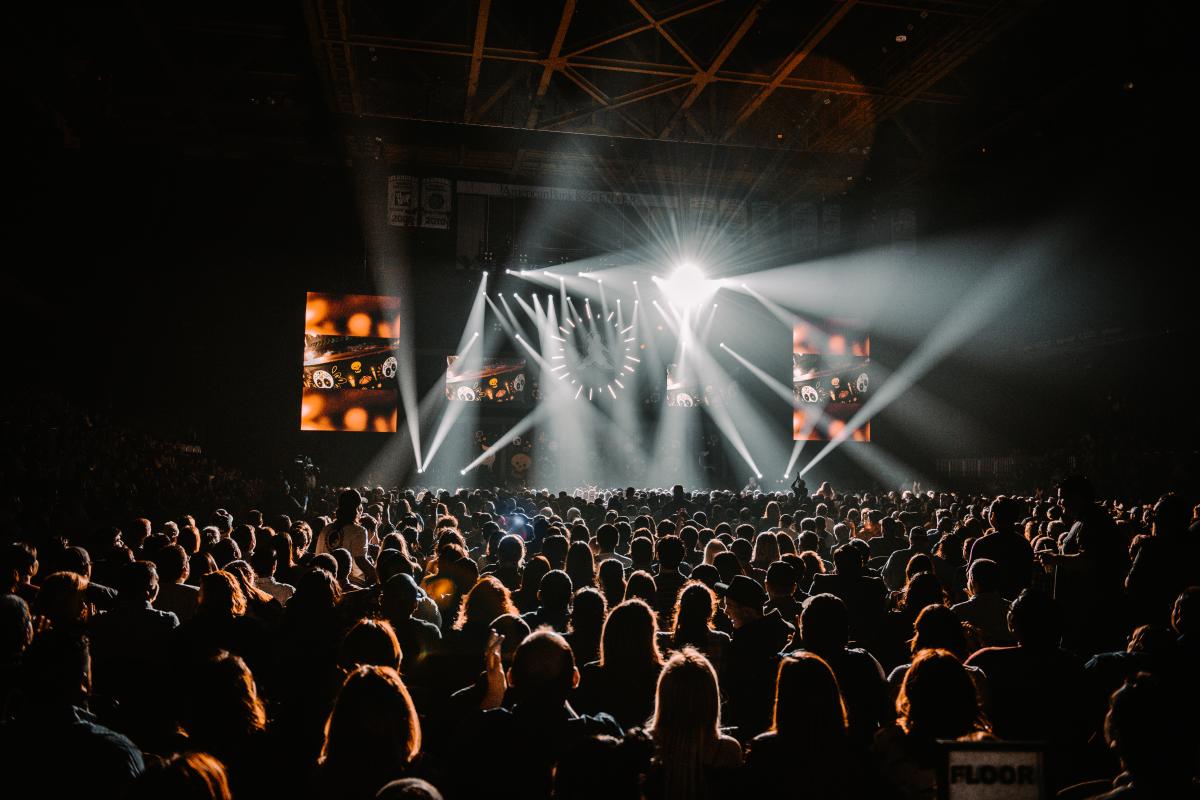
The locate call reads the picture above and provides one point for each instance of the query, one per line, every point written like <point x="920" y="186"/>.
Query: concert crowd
<point x="213" y="637"/>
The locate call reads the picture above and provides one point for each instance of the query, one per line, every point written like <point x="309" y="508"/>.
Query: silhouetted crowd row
<point x="630" y="644"/>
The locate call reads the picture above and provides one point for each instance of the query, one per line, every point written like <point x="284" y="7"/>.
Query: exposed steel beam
<point x="662" y="31"/>
<point x="604" y="101"/>
<point x="702" y="79"/>
<point x="554" y="61"/>
<point x="495" y="97"/>
<point x="630" y="67"/>
<point x="636" y="96"/>
<point x="481" y="23"/>
<point x="791" y="63"/>
<point x="641" y="28"/>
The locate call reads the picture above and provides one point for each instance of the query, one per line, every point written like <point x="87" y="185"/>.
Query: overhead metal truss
<point x="577" y="81"/>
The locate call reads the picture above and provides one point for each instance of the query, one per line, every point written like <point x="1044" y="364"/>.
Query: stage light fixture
<point x="687" y="287"/>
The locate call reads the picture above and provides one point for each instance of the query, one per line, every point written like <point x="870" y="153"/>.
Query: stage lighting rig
<point x="687" y="287"/>
<point x="597" y="355"/>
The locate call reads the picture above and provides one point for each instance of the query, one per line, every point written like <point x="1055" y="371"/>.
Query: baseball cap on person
<point x="743" y="590"/>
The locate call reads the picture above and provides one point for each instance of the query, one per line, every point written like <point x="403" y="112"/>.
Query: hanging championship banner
<point x="435" y="203"/>
<point x="402" y="201"/>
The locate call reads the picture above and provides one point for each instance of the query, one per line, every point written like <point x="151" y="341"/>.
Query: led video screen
<point x="831" y="379"/>
<point x="350" y="349"/>
<point x="489" y="380"/>
<point x="686" y="390"/>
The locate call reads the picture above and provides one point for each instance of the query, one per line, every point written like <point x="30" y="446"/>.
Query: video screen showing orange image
<point x="349" y="410"/>
<point x="831" y="378"/>
<point x="491" y="380"/>
<point x="352" y="315"/>
<point x="349" y="380"/>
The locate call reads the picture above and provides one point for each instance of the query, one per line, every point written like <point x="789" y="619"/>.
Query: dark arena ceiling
<point x="231" y="155"/>
<point x="806" y="97"/>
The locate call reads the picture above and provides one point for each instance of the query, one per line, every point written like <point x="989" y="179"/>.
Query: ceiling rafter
<point x="501" y="90"/>
<point x="604" y="101"/>
<point x="665" y="34"/>
<point x="636" y="96"/>
<point x="701" y="79"/>
<point x="790" y="64"/>
<point x="652" y="69"/>
<point x="553" y="62"/>
<point x="645" y="27"/>
<point x="481" y="24"/>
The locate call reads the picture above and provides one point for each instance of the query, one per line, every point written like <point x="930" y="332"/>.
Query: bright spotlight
<point x="759" y="475"/>
<point x="508" y="272"/>
<point x="462" y="472"/>
<point x="687" y="287"/>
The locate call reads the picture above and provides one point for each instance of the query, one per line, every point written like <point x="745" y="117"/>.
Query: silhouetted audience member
<point x="191" y="775"/>
<point x="588" y="611"/>
<point x="808" y="736"/>
<point x="1017" y="711"/>
<point x="419" y="640"/>
<point x="693" y="625"/>
<point x="824" y="631"/>
<point x="985" y="609"/>
<point x="752" y="657"/>
<point x="1007" y="547"/>
<point x="622" y="682"/>
<point x="1155" y="739"/>
<point x="937" y="701"/>
<point x="175" y="594"/>
<point x="864" y="595"/>
<point x="524" y="742"/>
<point x="692" y="758"/>
<point x="53" y="721"/>
<point x="372" y="736"/>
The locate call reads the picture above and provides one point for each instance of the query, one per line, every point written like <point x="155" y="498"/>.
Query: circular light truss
<point x="596" y="355"/>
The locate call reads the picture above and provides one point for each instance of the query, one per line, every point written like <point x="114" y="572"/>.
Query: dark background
<point x="161" y="276"/>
